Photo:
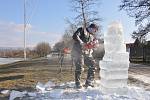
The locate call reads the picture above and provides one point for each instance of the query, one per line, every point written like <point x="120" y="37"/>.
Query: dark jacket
<point x="80" y="33"/>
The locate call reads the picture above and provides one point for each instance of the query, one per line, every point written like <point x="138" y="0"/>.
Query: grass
<point x="24" y="75"/>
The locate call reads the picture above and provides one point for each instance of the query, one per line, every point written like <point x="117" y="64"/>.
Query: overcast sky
<point x="46" y="20"/>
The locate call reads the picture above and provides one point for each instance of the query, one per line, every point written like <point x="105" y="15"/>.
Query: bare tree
<point x="85" y="11"/>
<point x="59" y="46"/>
<point x="67" y="39"/>
<point x="140" y="10"/>
<point x="86" y="14"/>
<point x="141" y="33"/>
<point x="67" y="36"/>
<point x="43" y="49"/>
<point x="71" y="27"/>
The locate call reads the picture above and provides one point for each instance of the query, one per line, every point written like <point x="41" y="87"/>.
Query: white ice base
<point x="122" y="74"/>
<point x="116" y="56"/>
<point x="114" y="83"/>
<point x="111" y="91"/>
<point x="114" y="65"/>
<point x="114" y="73"/>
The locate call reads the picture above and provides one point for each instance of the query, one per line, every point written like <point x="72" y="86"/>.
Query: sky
<point x="46" y="20"/>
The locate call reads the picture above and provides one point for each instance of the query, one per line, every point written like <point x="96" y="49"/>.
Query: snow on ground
<point x="66" y="91"/>
<point x="9" y="60"/>
<point x="143" y="78"/>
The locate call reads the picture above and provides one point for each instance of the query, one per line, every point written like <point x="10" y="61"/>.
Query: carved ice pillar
<point x="115" y="63"/>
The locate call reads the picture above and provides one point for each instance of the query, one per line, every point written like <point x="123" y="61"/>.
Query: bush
<point x="42" y="49"/>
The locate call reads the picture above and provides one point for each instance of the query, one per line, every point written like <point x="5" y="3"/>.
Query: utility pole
<point x="25" y="30"/>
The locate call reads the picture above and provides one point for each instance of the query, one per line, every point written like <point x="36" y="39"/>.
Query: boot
<point x="88" y="83"/>
<point x="78" y="85"/>
<point x="77" y="80"/>
<point x="90" y="78"/>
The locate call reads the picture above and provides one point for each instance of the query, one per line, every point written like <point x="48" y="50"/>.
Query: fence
<point x="140" y="53"/>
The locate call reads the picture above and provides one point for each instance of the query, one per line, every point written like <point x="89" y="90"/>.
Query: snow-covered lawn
<point x="66" y="91"/>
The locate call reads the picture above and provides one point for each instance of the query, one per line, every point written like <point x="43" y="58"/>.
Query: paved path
<point x="140" y="72"/>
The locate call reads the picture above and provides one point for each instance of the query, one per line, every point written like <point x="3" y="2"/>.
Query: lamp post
<point x="25" y="30"/>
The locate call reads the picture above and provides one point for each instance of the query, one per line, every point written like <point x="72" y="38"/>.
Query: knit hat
<point x="93" y="26"/>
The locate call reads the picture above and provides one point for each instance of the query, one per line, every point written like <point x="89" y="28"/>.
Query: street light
<point x="25" y="30"/>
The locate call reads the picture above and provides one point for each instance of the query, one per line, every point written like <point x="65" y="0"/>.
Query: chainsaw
<point x="91" y="45"/>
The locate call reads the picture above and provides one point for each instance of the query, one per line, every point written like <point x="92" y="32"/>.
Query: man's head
<point x="93" y="28"/>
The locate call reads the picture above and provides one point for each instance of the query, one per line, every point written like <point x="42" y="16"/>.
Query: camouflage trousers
<point x="79" y="62"/>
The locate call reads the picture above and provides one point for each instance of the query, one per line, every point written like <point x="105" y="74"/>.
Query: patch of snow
<point x="32" y="94"/>
<point x="49" y="84"/>
<point x="14" y="94"/>
<point x="43" y="87"/>
<point x="5" y="92"/>
<point x="56" y="93"/>
<point x="143" y="78"/>
<point x="9" y="60"/>
<point x="66" y="91"/>
<point x="40" y="87"/>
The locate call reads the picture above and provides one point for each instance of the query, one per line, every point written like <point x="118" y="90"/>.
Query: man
<point x="83" y="55"/>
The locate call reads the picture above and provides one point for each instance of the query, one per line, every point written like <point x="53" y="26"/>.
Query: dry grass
<point x="25" y="75"/>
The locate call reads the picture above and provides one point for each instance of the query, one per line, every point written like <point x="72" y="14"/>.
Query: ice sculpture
<point x="115" y="63"/>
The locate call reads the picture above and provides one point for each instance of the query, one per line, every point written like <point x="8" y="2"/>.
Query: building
<point x="139" y="52"/>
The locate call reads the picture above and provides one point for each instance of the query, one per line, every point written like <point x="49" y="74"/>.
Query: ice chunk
<point x="113" y="46"/>
<point x="114" y="83"/>
<point x="32" y="94"/>
<point x="117" y="74"/>
<point x="116" y="56"/>
<point x="5" y="92"/>
<point x="115" y="90"/>
<point x="14" y="94"/>
<point x="49" y="85"/>
<point x="114" y="65"/>
<point x="113" y="39"/>
<point x="71" y="84"/>
<point x="125" y="93"/>
<point x="45" y="87"/>
<point x="56" y="93"/>
<point x="40" y="87"/>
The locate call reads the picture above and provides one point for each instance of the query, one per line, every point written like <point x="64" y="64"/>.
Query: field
<point x="24" y="75"/>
